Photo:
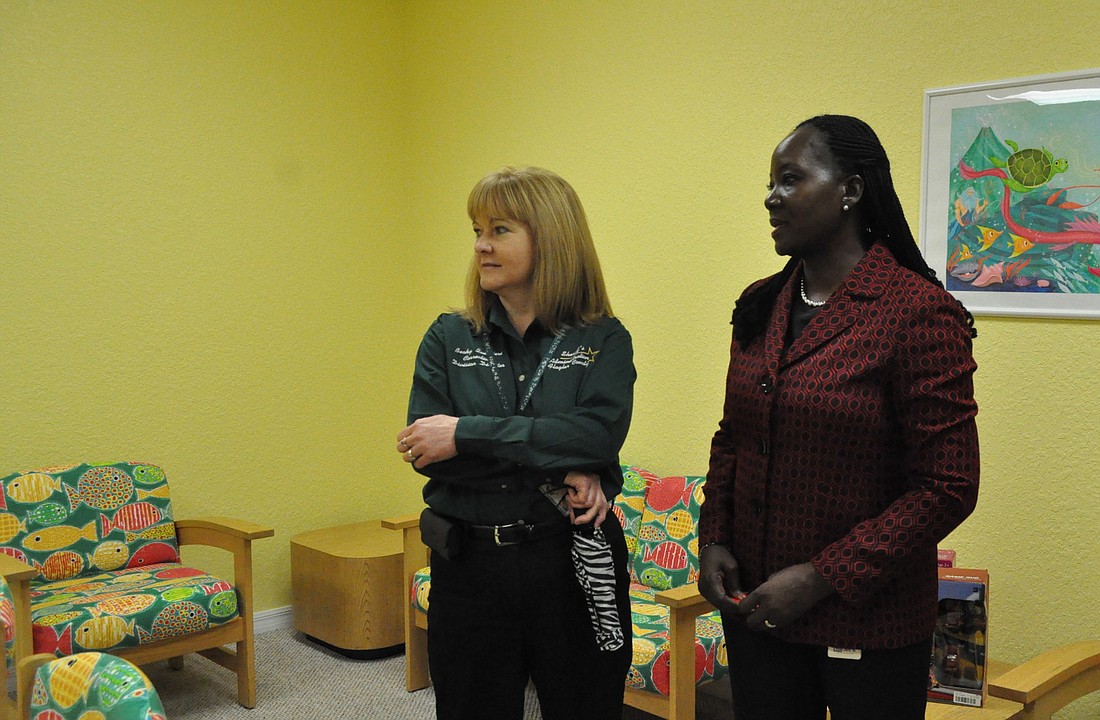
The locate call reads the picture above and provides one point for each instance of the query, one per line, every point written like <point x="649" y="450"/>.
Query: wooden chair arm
<point x="27" y="668"/>
<point x="414" y="554"/>
<point x="1054" y="678"/>
<point x="191" y="528"/>
<point x="684" y="599"/>
<point x="402" y="522"/>
<point x="15" y="570"/>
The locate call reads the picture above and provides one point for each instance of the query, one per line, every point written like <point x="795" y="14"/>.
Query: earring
<point x="846" y="208"/>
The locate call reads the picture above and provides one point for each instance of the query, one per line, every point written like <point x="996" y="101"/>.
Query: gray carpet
<point x="299" y="680"/>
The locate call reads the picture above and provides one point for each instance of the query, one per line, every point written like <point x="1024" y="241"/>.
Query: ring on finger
<point x="403" y="443"/>
<point x="770" y="625"/>
<point x="409" y="454"/>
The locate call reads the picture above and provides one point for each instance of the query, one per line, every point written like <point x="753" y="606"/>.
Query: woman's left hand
<point x="586" y="493"/>
<point x="428" y="440"/>
<point x="784" y="597"/>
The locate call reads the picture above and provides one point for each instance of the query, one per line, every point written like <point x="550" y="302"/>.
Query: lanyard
<point x="534" y="381"/>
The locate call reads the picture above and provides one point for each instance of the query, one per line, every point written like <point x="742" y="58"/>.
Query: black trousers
<point x="777" y="680"/>
<point x="499" y="616"/>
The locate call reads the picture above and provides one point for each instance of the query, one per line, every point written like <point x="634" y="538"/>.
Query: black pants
<point x="776" y="680"/>
<point x="499" y="616"/>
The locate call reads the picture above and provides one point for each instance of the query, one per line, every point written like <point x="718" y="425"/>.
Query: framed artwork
<point x="1010" y="194"/>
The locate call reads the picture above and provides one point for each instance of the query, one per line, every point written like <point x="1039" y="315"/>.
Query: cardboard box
<point x="957" y="673"/>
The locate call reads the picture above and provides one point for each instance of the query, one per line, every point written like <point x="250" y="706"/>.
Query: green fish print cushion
<point x="93" y="685"/>
<point x="667" y="553"/>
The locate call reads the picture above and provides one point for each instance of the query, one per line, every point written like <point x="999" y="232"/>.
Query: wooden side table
<point x="346" y="588"/>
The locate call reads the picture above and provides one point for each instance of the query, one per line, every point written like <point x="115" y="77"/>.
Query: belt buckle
<point x="503" y="543"/>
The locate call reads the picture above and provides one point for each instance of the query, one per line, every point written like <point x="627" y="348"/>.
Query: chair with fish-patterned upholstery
<point x="89" y="561"/>
<point x="89" y="685"/>
<point x="678" y="640"/>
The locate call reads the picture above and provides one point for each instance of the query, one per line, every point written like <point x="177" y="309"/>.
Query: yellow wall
<point x="226" y="226"/>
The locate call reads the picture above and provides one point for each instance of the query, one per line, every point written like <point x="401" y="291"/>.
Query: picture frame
<point x="1010" y="194"/>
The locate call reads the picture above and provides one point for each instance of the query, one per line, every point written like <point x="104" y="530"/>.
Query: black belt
<point x="516" y="533"/>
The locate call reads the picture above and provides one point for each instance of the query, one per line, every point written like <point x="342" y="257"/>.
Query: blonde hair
<point x="568" y="283"/>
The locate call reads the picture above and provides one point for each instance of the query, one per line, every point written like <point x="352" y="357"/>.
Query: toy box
<point x="957" y="672"/>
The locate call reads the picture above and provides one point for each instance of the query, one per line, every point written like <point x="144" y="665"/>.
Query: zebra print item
<point x="595" y="568"/>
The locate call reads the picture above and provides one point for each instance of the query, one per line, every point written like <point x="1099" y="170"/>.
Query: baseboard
<point x="275" y="619"/>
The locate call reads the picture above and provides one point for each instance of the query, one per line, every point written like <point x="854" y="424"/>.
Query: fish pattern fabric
<point x="667" y="554"/>
<point x="103" y="541"/>
<point x="93" y="685"/>
<point x="656" y="514"/>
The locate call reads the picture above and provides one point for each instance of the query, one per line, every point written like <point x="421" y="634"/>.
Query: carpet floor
<point x="299" y="680"/>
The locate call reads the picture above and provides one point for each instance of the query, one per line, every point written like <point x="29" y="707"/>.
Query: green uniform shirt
<point x="576" y="419"/>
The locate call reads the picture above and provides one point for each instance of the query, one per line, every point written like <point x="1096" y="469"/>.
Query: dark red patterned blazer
<point x="855" y="449"/>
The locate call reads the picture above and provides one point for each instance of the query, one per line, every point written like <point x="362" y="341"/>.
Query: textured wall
<point x="199" y="238"/>
<point x="226" y="226"/>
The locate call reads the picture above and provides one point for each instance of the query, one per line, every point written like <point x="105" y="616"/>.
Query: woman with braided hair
<point x="847" y="448"/>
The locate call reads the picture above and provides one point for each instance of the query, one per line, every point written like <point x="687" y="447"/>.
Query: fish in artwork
<point x="47" y="640"/>
<point x="33" y="487"/>
<point x="154" y="553"/>
<point x="10" y="526"/>
<point x="103" y="632"/>
<point x="110" y="555"/>
<point x="61" y="565"/>
<point x="224" y="604"/>
<point x="69" y="680"/>
<point x="665" y="493"/>
<point x="678" y="523"/>
<point x="178" y="618"/>
<point x="103" y="488"/>
<point x="134" y="517"/>
<point x="652" y="532"/>
<point x="988" y="237"/>
<point x="1020" y="245"/>
<point x="668" y="555"/>
<point x="149" y="475"/>
<point x="58" y="617"/>
<point x="654" y="578"/>
<point x="215" y="588"/>
<point x="127" y="604"/>
<point x="163" y="531"/>
<point x="160" y="493"/>
<point x="48" y="513"/>
<point x="57" y="537"/>
<point x="7" y="614"/>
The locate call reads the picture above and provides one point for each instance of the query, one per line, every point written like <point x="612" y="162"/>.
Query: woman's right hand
<point x="718" y="578"/>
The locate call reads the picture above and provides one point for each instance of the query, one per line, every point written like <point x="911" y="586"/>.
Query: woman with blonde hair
<point x="519" y="406"/>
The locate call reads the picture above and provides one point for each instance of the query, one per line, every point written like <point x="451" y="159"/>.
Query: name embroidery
<point x="478" y="357"/>
<point x="581" y="357"/>
<point x="472" y="357"/>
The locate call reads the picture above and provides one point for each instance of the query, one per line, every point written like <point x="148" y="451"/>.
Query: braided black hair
<point x="857" y="151"/>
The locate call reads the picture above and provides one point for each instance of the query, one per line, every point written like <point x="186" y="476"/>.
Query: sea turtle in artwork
<point x="1029" y="168"/>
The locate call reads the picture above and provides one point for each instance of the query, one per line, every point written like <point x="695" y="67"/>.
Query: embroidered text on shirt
<point x="471" y="357"/>
<point x="582" y="357"/>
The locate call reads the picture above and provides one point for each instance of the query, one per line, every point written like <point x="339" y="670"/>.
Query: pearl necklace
<point x="806" y="299"/>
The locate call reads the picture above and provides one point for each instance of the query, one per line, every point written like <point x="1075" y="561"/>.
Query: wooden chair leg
<point x="681" y="693"/>
<point x="246" y="649"/>
<point x="416" y="652"/>
<point x="246" y="673"/>
<point x="25" y="672"/>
